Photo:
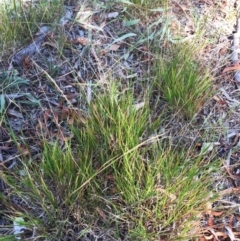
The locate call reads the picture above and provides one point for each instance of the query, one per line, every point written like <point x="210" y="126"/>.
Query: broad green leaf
<point x="131" y="22"/>
<point x="10" y="80"/>
<point x="31" y="100"/>
<point x="128" y="35"/>
<point x="2" y="103"/>
<point x="18" y="81"/>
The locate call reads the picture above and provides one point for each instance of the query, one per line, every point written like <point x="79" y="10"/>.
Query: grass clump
<point x="107" y="178"/>
<point x="19" y="20"/>
<point x="183" y="83"/>
<point x="10" y="83"/>
<point x="147" y="3"/>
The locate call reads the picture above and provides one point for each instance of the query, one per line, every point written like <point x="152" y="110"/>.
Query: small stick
<point x="235" y="49"/>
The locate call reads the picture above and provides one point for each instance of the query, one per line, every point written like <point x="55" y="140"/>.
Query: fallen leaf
<point x="54" y="45"/>
<point x="231" y="68"/>
<point x="219" y="100"/>
<point x="101" y="214"/>
<point x="24" y="150"/>
<point x="233" y="176"/>
<point x="51" y="36"/>
<point x="110" y="177"/>
<point x="42" y="127"/>
<point x="223" y="51"/>
<point x="15" y="113"/>
<point x="146" y="57"/>
<point x="211" y="221"/>
<point x="201" y="238"/>
<point x="27" y="63"/>
<point x="80" y="40"/>
<point x="231" y="222"/>
<point x="216" y="214"/>
<point x="103" y="24"/>
<point x="70" y="120"/>
<point x="104" y="52"/>
<point x="144" y="48"/>
<point x="229" y="191"/>
<point x="236" y="139"/>
<point x="114" y="47"/>
<point x="71" y="96"/>
<point x="5" y="148"/>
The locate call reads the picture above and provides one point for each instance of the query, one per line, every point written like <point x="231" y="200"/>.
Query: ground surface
<point x="52" y="97"/>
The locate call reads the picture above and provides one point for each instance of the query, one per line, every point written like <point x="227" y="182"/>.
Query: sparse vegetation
<point x="147" y="3"/>
<point x="21" y="19"/>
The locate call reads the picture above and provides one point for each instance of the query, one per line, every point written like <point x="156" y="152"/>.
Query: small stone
<point x="81" y="33"/>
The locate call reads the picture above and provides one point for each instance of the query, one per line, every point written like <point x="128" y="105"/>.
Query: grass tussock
<point x="107" y="177"/>
<point x="183" y="82"/>
<point x="147" y="4"/>
<point x="20" y="20"/>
